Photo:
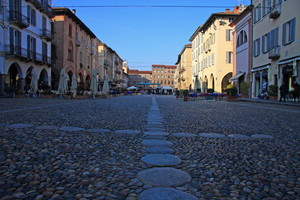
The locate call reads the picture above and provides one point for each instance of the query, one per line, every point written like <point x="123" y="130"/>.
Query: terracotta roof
<point x="136" y="71"/>
<point x="166" y="66"/>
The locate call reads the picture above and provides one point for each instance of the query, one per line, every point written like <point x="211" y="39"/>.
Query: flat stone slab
<point x="212" y="135"/>
<point x="262" y="136"/>
<point x="164" y="177"/>
<point x="239" y="136"/>
<point x="156" y="133"/>
<point x="165" y="193"/>
<point x="162" y="160"/>
<point x="184" y="135"/>
<point x="155" y="129"/>
<point x="127" y="131"/>
<point x="100" y="130"/>
<point x="19" y="125"/>
<point x="159" y="150"/>
<point x="47" y="127"/>
<point x="157" y="143"/>
<point x="71" y="128"/>
<point x="155" y="137"/>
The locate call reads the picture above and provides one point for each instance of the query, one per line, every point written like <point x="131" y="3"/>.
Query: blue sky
<point x="145" y="35"/>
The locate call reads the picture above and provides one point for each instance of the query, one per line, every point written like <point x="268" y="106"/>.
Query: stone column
<point x="2" y="83"/>
<point x="21" y="83"/>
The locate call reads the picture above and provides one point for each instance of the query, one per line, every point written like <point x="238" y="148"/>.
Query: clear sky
<point x="146" y="35"/>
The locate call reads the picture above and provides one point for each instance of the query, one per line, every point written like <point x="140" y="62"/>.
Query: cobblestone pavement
<point x="93" y="149"/>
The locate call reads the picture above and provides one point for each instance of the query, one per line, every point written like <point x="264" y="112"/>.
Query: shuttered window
<point x="289" y="32"/>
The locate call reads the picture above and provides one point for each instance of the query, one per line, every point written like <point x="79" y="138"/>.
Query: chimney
<point x="74" y="11"/>
<point x="236" y="9"/>
<point x="227" y="10"/>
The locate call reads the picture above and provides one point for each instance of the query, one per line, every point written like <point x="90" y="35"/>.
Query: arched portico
<point x="43" y="82"/>
<point x="15" y="80"/>
<point x="225" y="81"/>
<point x="211" y="84"/>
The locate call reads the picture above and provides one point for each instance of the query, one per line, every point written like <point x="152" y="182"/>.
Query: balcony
<point x="36" y="3"/>
<point x="274" y="53"/>
<point x="18" y="19"/>
<point x="275" y="12"/>
<point x="46" y="34"/>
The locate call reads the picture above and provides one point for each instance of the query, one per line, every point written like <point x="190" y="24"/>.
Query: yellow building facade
<point x="212" y="52"/>
<point x="183" y="73"/>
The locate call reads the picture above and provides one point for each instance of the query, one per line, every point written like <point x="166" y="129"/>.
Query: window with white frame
<point x="256" y="47"/>
<point x="229" y="57"/>
<point x="257" y="13"/>
<point x="265" y="42"/>
<point x="228" y="35"/>
<point x="288" y="32"/>
<point x="242" y="38"/>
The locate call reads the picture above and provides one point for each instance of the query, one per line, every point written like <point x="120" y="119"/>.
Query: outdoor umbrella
<point x="132" y="88"/>
<point x="34" y="83"/>
<point x="74" y="85"/>
<point x="105" y="88"/>
<point x="94" y="83"/>
<point x="63" y="83"/>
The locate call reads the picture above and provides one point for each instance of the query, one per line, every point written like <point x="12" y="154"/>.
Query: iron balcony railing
<point x="46" y="34"/>
<point x="274" y="53"/>
<point x="16" y="51"/>
<point x="275" y="11"/>
<point x="42" y="5"/>
<point x="18" y="19"/>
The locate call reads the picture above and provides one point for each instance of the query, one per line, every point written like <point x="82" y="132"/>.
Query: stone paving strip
<point x="159" y="155"/>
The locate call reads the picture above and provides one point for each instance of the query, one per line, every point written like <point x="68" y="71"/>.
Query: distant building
<point x="136" y="77"/>
<point x="163" y="75"/>
<point x="276" y="47"/>
<point x="213" y="51"/>
<point x="25" y="44"/>
<point x="242" y="48"/>
<point x="183" y="74"/>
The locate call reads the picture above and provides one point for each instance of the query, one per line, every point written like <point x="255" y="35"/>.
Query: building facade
<point x="212" y="65"/>
<point x="183" y="74"/>
<point x="242" y="48"/>
<point x="25" y="44"/>
<point x="136" y="77"/>
<point x="74" y="49"/>
<point x="276" y="47"/>
<point x="163" y="75"/>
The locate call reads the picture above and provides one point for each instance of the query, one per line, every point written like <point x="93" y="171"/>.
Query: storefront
<point x="260" y="77"/>
<point x="288" y="71"/>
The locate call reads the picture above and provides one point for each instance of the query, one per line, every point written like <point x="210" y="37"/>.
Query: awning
<point x="260" y="68"/>
<point x="236" y="77"/>
<point x="288" y="61"/>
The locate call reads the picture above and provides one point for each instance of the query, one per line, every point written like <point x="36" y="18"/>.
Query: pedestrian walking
<point x="296" y="91"/>
<point x="283" y="92"/>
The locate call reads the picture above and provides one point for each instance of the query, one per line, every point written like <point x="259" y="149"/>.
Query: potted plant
<point x="185" y="95"/>
<point x="244" y="88"/>
<point x="273" y="92"/>
<point x="231" y="91"/>
<point x="177" y="93"/>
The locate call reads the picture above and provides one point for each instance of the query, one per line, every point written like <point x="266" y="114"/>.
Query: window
<point x="229" y="57"/>
<point x="242" y="38"/>
<point x="15" y="41"/>
<point x="265" y="42"/>
<point x="31" y="47"/>
<point x="80" y="57"/>
<point x="228" y="35"/>
<point x="256" y="47"/>
<point x="274" y="38"/>
<point x="70" y="52"/>
<point x="213" y="59"/>
<point x="257" y="13"/>
<point x="288" y="32"/>
<point x="31" y="15"/>
<point x="44" y="52"/>
<point x="231" y="19"/>
<point x="70" y="30"/>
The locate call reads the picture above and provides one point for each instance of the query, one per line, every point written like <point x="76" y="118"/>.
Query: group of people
<point x="284" y="90"/>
